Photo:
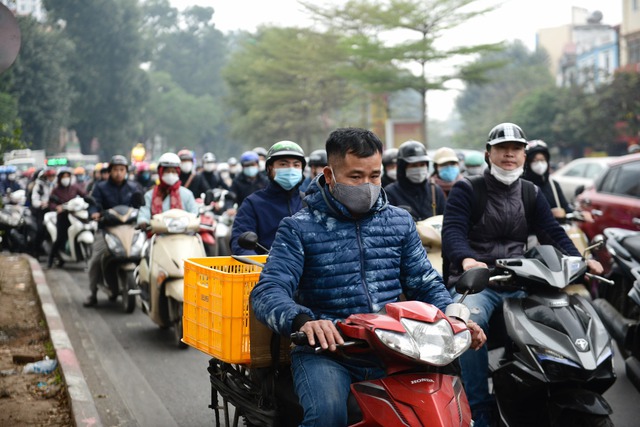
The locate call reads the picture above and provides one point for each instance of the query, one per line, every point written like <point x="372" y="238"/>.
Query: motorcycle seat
<point x="632" y="244"/>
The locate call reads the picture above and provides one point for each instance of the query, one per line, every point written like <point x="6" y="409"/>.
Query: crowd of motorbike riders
<point x="268" y="185"/>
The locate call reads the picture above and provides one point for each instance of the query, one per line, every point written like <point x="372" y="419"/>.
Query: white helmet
<point x="18" y="197"/>
<point x="169" y="160"/>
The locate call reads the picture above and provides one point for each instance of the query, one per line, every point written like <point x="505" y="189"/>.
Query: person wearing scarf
<point x="169" y="193"/>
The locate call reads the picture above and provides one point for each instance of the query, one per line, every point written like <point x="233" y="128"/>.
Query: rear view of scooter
<point x="124" y="243"/>
<point x="557" y="360"/>
<point x="160" y="275"/>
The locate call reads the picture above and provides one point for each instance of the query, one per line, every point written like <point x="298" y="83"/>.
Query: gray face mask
<point x="417" y="175"/>
<point x="358" y="199"/>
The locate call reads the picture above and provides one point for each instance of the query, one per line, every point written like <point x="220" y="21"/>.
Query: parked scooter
<point x="416" y="343"/>
<point x="160" y="275"/>
<point x="557" y="358"/>
<point x="124" y="243"/>
<point x="18" y="228"/>
<point x="81" y="233"/>
<point x="619" y="305"/>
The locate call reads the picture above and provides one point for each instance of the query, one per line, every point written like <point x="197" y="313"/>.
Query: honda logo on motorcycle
<point x="582" y="344"/>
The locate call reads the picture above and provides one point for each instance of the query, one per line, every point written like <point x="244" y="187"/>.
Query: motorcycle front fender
<point x="581" y="400"/>
<point x="175" y="289"/>
<point x="86" y="237"/>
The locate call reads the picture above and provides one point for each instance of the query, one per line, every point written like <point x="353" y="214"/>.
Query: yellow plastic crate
<point x="216" y="306"/>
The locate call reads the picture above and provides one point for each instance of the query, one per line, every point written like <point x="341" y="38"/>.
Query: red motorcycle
<point x="208" y="225"/>
<point x="416" y="342"/>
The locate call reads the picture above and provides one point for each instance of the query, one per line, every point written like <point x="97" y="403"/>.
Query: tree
<point x="181" y="118"/>
<point x="283" y="85"/>
<point x="484" y="104"/>
<point x="37" y="88"/>
<point x="111" y="87"/>
<point x="382" y="66"/>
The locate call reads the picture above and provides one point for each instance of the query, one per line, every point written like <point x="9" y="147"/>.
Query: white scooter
<point x="160" y="274"/>
<point x="81" y="233"/>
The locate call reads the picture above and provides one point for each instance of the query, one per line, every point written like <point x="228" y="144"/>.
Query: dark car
<point x="614" y="199"/>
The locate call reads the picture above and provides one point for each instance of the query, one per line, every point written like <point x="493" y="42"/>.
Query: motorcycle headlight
<point x="137" y="244"/>
<point x="114" y="245"/>
<point x="177" y="225"/>
<point x="543" y="354"/>
<point x="434" y="343"/>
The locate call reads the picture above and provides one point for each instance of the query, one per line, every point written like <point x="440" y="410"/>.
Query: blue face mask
<point x="250" y="171"/>
<point x="288" y="178"/>
<point x="449" y="173"/>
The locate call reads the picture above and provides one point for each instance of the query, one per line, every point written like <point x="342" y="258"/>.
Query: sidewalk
<point x="83" y="408"/>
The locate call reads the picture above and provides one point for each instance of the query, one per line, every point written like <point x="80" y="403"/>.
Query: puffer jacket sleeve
<point x="272" y="297"/>
<point x="420" y="281"/>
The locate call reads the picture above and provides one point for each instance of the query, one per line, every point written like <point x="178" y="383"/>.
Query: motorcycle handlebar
<point x="600" y="279"/>
<point x="300" y="338"/>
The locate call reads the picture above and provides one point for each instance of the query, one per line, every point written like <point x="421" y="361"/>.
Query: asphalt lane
<point x="135" y="373"/>
<point x="138" y="377"/>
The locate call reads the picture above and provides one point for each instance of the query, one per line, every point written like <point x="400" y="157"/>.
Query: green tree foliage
<point x="284" y="85"/>
<point x="182" y="119"/>
<point x="382" y="65"/>
<point x="105" y="70"/>
<point x="37" y="89"/>
<point x="186" y="45"/>
<point x="484" y="104"/>
<point x="11" y="137"/>
<point x="185" y="53"/>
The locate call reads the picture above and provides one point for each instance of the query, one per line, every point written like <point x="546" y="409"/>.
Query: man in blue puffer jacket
<point x="263" y="210"/>
<point x="347" y="252"/>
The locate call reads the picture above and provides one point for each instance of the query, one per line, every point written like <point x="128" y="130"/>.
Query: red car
<point x="614" y="199"/>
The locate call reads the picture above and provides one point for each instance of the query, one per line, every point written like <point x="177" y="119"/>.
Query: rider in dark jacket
<point x="208" y="179"/>
<point x="263" y="210"/>
<point x="413" y="190"/>
<point x="114" y="191"/>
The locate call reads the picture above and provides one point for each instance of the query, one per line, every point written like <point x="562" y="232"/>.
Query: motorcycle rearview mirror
<point x="137" y="200"/>
<point x="597" y="242"/>
<point x="249" y="240"/>
<point x="230" y="196"/>
<point x="473" y="281"/>
<point x="208" y="197"/>
<point x="10" y="38"/>
<point x="89" y="200"/>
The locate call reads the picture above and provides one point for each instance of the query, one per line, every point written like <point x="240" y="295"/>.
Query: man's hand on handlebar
<point x="478" y="338"/>
<point x="326" y="333"/>
<point x="595" y="267"/>
<point x="469" y="263"/>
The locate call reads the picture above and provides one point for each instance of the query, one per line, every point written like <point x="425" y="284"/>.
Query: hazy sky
<point x="514" y="19"/>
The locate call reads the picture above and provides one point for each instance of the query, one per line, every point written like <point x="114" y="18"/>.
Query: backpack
<point x="480" y="202"/>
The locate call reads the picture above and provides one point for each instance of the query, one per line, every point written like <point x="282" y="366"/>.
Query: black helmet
<point x="412" y="152"/>
<point x="118" y="160"/>
<point x="506" y="132"/>
<point x="285" y="149"/>
<point x="537" y="146"/>
<point x="318" y="158"/>
<point x="390" y="156"/>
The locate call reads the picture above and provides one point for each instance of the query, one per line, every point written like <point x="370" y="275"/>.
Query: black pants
<point x="62" y="226"/>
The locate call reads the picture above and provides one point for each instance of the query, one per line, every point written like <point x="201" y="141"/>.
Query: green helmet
<point x="285" y="149"/>
<point x="474" y="158"/>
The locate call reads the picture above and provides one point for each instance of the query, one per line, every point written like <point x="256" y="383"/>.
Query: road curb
<point x="83" y="407"/>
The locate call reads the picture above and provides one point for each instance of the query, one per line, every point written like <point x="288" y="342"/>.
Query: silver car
<point x="580" y="173"/>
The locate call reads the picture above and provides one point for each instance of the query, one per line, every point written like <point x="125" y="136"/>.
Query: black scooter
<point x="619" y="305"/>
<point x="557" y="358"/>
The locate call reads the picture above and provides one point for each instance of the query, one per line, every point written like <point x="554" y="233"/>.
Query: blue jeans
<point x="322" y="383"/>
<point x="475" y="364"/>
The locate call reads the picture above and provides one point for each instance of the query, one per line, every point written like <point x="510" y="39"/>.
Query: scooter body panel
<point x="168" y="252"/>
<point x="412" y="399"/>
